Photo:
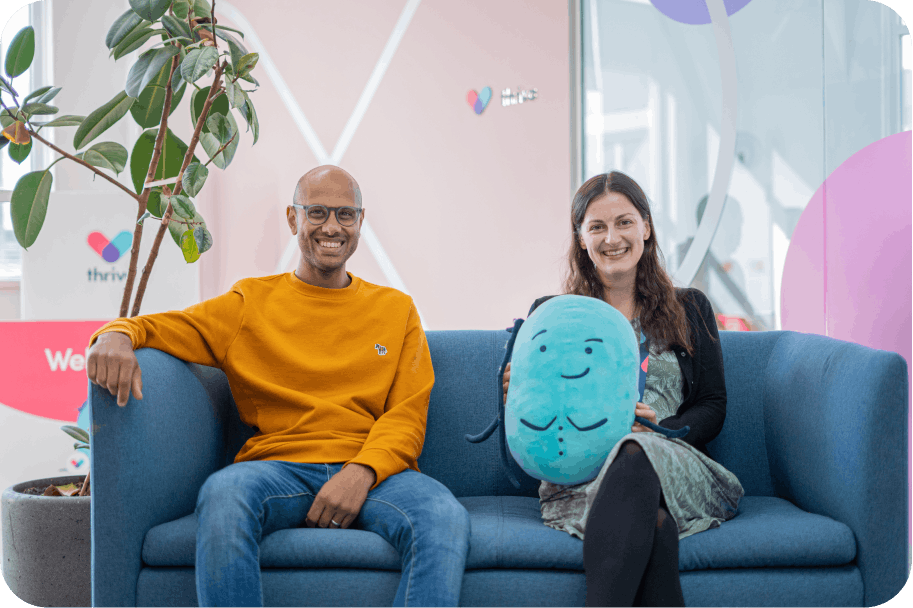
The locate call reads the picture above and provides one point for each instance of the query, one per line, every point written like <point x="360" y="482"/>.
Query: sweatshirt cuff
<point x="380" y="461"/>
<point x="113" y="327"/>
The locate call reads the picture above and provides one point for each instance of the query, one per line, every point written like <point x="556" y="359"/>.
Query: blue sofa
<point x="816" y="432"/>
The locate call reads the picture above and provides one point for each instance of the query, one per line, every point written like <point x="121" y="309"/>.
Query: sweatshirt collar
<point x="323" y="292"/>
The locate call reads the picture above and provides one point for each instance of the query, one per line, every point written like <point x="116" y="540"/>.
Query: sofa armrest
<point x="835" y="425"/>
<point x="149" y="460"/>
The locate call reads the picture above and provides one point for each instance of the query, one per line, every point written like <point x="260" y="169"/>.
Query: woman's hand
<point x="644" y="411"/>
<point x="506" y="381"/>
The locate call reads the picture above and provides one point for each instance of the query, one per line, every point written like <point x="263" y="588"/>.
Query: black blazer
<point x="704" y="390"/>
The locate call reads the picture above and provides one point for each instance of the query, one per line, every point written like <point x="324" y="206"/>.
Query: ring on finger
<point x="333" y="521"/>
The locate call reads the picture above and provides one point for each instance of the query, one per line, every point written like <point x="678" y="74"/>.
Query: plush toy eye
<point x="542" y="348"/>
<point x="588" y="350"/>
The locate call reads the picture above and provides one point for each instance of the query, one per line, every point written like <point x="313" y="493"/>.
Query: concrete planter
<point x="47" y="545"/>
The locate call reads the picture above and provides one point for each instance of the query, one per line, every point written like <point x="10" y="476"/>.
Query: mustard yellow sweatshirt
<point x="325" y="375"/>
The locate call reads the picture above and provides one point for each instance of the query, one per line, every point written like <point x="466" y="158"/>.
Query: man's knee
<point x="227" y="486"/>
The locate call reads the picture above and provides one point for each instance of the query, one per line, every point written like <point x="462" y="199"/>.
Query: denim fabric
<point x="243" y="503"/>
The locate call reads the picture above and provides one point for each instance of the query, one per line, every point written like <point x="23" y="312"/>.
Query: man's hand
<point x="644" y="411"/>
<point x="112" y="364"/>
<point x="340" y="499"/>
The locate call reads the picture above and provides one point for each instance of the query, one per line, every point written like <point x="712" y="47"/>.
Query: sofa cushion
<point x="507" y="532"/>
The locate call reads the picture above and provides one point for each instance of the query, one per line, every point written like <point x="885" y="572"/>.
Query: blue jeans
<point x="245" y="501"/>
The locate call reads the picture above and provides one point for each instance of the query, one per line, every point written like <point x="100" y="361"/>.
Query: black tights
<point x="630" y="548"/>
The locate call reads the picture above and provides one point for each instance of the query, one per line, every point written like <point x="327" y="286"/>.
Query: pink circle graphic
<point x="849" y="261"/>
<point x="693" y="12"/>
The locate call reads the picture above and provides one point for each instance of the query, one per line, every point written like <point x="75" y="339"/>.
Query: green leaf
<point x="67" y="120"/>
<point x="19" y="152"/>
<point x="80" y="446"/>
<point x="198" y="62"/>
<point x="150" y="10"/>
<point x="147" y="67"/>
<point x="246" y="64"/>
<point x="7" y="88"/>
<point x="76" y="433"/>
<point x="6" y="120"/>
<point x="182" y="205"/>
<point x="234" y="93"/>
<point x="51" y="94"/>
<point x="173" y="150"/>
<point x="203" y="239"/>
<point x="189" y="247"/>
<point x="201" y="8"/>
<point x="250" y="78"/>
<point x="147" y="111"/>
<point x="194" y="177"/>
<point x="176" y="27"/>
<point x="20" y="52"/>
<point x="250" y="115"/>
<point x="180" y="8"/>
<point x="211" y="144"/>
<point x="143" y="217"/>
<point x="106" y="155"/>
<point x="177" y="229"/>
<point x="36" y="93"/>
<point x="122" y="26"/>
<point x="198" y="100"/>
<point x="101" y="119"/>
<point x="154" y="204"/>
<point x="208" y="28"/>
<point x="134" y="40"/>
<point x="177" y="81"/>
<point x="29" y="205"/>
<point x="39" y="109"/>
<point x="219" y="126"/>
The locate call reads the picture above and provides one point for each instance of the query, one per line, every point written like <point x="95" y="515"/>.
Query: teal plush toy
<point x="576" y="374"/>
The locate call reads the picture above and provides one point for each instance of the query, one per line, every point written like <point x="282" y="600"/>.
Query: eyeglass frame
<point x="335" y="210"/>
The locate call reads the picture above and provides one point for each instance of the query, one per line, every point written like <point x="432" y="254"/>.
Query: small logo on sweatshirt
<point x="381" y="350"/>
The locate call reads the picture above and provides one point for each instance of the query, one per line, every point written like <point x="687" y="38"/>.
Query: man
<point x="335" y="374"/>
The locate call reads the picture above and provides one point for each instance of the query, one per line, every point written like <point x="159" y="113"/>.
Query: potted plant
<point x="184" y="48"/>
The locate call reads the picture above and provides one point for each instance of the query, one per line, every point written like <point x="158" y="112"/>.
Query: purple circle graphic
<point x="693" y="12"/>
<point x="110" y="253"/>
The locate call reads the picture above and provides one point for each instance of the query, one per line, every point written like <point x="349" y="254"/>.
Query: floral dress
<point x="699" y="493"/>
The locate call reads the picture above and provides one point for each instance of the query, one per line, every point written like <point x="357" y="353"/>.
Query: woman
<point x="652" y="491"/>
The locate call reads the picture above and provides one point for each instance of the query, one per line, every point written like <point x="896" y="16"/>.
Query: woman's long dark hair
<point x="662" y="313"/>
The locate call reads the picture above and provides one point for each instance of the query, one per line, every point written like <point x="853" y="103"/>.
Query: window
<point x="906" y="65"/>
<point x="10" y="171"/>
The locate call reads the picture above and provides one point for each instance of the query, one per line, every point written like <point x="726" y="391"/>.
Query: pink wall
<point x="472" y="210"/>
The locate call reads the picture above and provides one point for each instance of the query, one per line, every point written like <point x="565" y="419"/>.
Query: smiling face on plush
<point x="573" y="386"/>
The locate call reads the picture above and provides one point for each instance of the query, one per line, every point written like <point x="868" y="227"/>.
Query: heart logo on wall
<point x="110" y="251"/>
<point x="479" y="101"/>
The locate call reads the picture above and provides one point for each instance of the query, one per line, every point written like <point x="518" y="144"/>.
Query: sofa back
<point x="465" y="400"/>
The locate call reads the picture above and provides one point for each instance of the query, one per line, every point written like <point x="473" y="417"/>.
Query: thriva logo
<point x="110" y="251"/>
<point x="479" y="101"/>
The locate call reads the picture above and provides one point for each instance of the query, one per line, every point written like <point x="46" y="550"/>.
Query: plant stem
<point x="143" y="200"/>
<point x="166" y="217"/>
<point x="84" y="491"/>
<point x="212" y="19"/>
<point x="84" y="163"/>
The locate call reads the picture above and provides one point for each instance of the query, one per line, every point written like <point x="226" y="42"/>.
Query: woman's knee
<point x="665" y="523"/>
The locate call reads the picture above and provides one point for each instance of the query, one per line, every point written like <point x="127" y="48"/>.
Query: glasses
<point x="319" y="214"/>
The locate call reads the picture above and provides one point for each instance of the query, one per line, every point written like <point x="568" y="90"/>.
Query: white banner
<point x="77" y="267"/>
